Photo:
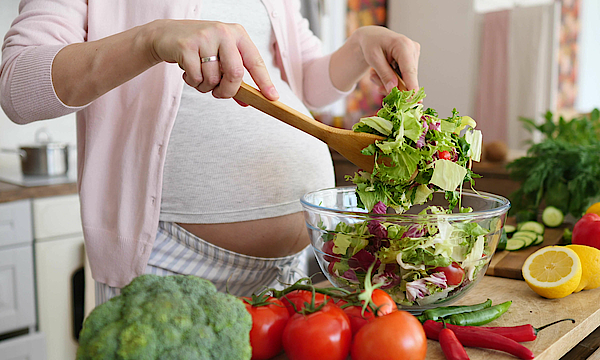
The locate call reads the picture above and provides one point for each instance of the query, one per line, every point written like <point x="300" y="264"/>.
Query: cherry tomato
<point x="383" y="301"/>
<point x="298" y="298"/>
<point x="324" y="334"/>
<point x="454" y="273"/>
<point x="358" y="318"/>
<point x="393" y="336"/>
<point x="445" y="155"/>
<point x="268" y="322"/>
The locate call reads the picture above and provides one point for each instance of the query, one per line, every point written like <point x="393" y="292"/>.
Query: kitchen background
<point x="495" y="60"/>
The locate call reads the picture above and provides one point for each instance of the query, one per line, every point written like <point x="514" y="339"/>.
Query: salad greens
<point x="408" y="168"/>
<point x="428" y="258"/>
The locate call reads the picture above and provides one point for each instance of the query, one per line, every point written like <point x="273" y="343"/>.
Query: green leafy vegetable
<point x="167" y="317"/>
<point x="563" y="169"/>
<point x="408" y="168"/>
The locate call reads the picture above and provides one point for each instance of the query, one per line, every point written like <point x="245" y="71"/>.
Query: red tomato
<point x="383" y="301"/>
<point x="324" y="334"/>
<point x="445" y="155"/>
<point x="268" y="322"/>
<point x="298" y="298"/>
<point x="587" y="231"/>
<point x="398" y="335"/>
<point x="454" y="273"/>
<point x="358" y="319"/>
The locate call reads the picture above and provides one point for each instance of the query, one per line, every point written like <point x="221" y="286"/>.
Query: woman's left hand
<point x="376" y="47"/>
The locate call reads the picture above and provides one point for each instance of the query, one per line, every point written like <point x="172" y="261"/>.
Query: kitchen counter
<point x="564" y="341"/>
<point x="10" y="192"/>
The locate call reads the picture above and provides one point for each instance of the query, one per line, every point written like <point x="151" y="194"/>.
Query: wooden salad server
<point x="346" y="142"/>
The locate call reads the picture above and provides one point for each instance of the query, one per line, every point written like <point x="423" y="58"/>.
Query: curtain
<point x="518" y="71"/>
<point x="492" y="97"/>
<point x="533" y="68"/>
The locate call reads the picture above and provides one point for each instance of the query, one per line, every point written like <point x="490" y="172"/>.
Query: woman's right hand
<point x="187" y="41"/>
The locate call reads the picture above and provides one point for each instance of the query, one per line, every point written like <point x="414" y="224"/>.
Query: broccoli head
<point x="170" y="317"/>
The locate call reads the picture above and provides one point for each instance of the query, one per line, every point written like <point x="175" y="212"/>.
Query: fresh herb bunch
<point x="563" y="169"/>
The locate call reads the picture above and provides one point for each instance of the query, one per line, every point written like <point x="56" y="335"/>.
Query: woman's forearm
<point x="83" y="72"/>
<point x="347" y="65"/>
<point x="376" y="47"/>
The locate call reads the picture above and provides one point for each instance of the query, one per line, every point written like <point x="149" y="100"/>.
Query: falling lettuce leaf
<point x="447" y="174"/>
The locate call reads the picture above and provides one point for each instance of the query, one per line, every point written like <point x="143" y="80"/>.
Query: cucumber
<point x="528" y="236"/>
<point x="534" y="226"/>
<point x="502" y="241"/>
<point x="514" y="244"/>
<point x="540" y="239"/>
<point x="552" y="217"/>
<point x="510" y="229"/>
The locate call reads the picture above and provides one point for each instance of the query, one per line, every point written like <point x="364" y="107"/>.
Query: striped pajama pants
<point x="177" y="251"/>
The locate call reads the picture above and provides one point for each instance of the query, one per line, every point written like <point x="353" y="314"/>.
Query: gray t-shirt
<point x="226" y="163"/>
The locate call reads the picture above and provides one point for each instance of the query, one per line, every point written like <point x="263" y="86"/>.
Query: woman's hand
<point x="376" y="47"/>
<point x="187" y="41"/>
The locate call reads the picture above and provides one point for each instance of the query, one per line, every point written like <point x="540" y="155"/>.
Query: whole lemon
<point x="590" y="266"/>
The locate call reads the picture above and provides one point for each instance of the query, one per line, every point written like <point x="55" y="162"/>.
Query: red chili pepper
<point x="481" y="339"/>
<point x="519" y="333"/>
<point x="522" y="332"/>
<point x="451" y="347"/>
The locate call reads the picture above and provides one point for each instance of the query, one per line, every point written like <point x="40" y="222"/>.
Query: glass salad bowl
<point x="423" y="258"/>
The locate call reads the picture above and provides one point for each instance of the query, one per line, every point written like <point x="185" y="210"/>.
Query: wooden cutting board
<point x="508" y="264"/>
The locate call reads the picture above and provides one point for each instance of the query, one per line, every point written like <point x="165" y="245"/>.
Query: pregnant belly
<point x="272" y="237"/>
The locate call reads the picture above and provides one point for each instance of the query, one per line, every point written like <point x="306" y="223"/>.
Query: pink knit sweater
<point x="123" y="135"/>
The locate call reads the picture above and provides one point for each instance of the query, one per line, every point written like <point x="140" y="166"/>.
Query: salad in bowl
<point x="409" y="224"/>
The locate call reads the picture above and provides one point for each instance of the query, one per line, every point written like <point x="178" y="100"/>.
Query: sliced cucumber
<point x="540" y="239"/>
<point x="528" y="236"/>
<point x="552" y="217"/>
<point x="534" y="226"/>
<point x="510" y="229"/>
<point x="514" y="244"/>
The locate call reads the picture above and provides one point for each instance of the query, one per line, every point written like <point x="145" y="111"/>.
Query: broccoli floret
<point x="171" y="317"/>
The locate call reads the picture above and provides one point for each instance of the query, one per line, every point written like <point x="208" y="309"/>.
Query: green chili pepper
<point x="480" y="317"/>
<point x="440" y="312"/>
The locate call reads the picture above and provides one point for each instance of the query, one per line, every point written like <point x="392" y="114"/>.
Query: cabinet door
<point x="16" y="289"/>
<point x="56" y="216"/>
<point x="27" y="347"/>
<point x="56" y="262"/>
<point x="15" y="223"/>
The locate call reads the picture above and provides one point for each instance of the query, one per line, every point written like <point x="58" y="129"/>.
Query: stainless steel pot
<point x="45" y="158"/>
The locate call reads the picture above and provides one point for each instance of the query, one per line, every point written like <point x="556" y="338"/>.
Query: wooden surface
<point x="508" y="264"/>
<point x="10" y="192"/>
<point x="529" y="308"/>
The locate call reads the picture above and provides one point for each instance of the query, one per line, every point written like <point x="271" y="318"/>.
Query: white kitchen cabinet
<point x="17" y="309"/>
<point x="17" y="306"/>
<point x="15" y="223"/>
<point x="59" y="253"/>
<point x="28" y="347"/>
<point x="56" y="262"/>
<point x="56" y="216"/>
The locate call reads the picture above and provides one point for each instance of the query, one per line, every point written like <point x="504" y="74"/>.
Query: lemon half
<point x="553" y="271"/>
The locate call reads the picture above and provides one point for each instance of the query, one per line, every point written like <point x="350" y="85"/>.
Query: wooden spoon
<point x="346" y="142"/>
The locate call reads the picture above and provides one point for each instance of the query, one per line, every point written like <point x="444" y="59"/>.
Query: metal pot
<point x="45" y="158"/>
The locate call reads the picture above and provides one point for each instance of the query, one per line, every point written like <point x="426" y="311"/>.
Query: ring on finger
<point x="209" y="59"/>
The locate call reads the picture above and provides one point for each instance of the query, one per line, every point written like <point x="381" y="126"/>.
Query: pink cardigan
<point x="123" y="135"/>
